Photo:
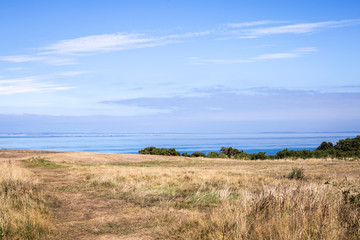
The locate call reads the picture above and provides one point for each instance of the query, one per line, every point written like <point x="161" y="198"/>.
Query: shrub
<point x="304" y="154"/>
<point x="230" y="152"/>
<point x="242" y="155"/>
<point x="349" y="144"/>
<point x="216" y="155"/>
<point x="259" y="155"/>
<point x="198" y="154"/>
<point x="325" y="146"/>
<point x="296" y="173"/>
<point x="159" y="151"/>
<point x="185" y="154"/>
<point x="321" y="154"/>
<point x="283" y="154"/>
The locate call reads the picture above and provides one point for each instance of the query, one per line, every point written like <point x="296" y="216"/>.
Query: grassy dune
<point x="150" y="197"/>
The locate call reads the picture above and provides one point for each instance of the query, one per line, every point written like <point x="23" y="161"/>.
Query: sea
<point x="269" y="142"/>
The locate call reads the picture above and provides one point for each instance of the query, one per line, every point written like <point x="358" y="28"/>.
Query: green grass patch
<point x="200" y="200"/>
<point x="41" y="162"/>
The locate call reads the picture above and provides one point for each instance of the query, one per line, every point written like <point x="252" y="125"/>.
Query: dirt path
<point x="83" y="215"/>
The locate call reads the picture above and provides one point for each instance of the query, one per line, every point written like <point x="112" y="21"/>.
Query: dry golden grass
<point x="23" y="214"/>
<point x="226" y="200"/>
<point x="145" y="197"/>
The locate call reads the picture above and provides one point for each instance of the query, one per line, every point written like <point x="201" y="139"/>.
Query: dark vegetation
<point x="159" y="151"/>
<point x="345" y="148"/>
<point x="194" y="154"/>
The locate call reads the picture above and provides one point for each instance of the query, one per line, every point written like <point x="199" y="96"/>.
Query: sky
<point x="179" y="66"/>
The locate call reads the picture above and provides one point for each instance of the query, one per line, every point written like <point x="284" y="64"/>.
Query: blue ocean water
<point x="190" y="142"/>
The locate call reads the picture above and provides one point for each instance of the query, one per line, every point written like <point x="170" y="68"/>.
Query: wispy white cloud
<point x="36" y="58"/>
<point x="189" y="35"/>
<point x="112" y="42"/>
<point x="293" y="54"/>
<point x="272" y="56"/>
<point x="253" y="23"/>
<point x="21" y="58"/>
<point x="27" y="85"/>
<point x="295" y="28"/>
<point x="95" y="43"/>
<point x="42" y="83"/>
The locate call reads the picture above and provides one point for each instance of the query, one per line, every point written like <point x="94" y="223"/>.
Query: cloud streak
<point x="253" y="23"/>
<point x="96" y="43"/>
<point x="36" y="58"/>
<point x="295" y="28"/>
<point x="113" y="42"/>
<point x="35" y="84"/>
<point x="264" y="57"/>
<point x="27" y="85"/>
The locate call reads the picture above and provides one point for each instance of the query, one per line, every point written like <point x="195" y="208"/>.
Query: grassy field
<point x="69" y="195"/>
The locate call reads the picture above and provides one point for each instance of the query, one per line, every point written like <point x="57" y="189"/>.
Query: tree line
<point x="345" y="148"/>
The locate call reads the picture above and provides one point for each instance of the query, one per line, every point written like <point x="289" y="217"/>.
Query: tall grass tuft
<point x="23" y="214"/>
<point x="296" y="173"/>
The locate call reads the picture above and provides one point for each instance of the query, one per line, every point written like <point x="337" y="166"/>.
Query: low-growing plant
<point x="41" y="162"/>
<point x="296" y="173"/>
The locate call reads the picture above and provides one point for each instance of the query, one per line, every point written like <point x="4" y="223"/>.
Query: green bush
<point x="321" y="153"/>
<point x="230" y="152"/>
<point x="216" y="155"/>
<point x="348" y="144"/>
<point x="257" y="156"/>
<point x="159" y="151"/>
<point x="198" y="154"/>
<point x="185" y="154"/>
<point x="324" y="146"/>
<point x="242" y="155"/>
<point x="283" y="154"/>
<point x="304" y="154"/>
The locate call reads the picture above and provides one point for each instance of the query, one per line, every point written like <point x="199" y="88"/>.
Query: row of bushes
<point x="345" y="148"/>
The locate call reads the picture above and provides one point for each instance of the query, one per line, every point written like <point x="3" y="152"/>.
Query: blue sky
<point x="179" y="66"/>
